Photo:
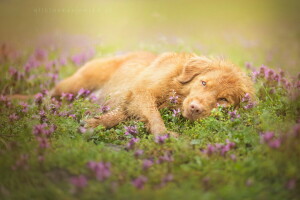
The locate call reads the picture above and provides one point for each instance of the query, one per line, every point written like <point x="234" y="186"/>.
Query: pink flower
<point x="160" y="139"/>
<point x="233" y="115"/>
<point x="131" y="143"/>
<point x="82" y="130"/>
<point x="138" y="153"/>
<point x="249" y="105"/>
<point x="43" y="130"/>
<point x="43" y="142"/>
<point x="233" y="157"/>
<point x="38" y="98"/>
<point x="41" y="54"/>
<point x="104" y="109"/>
<point x="79" y="181"/>
<point x="275" y="144"/>
<point x="131" y="130"/>
<point x="147" y="163"/>
<point x="13" y="117"/>
<point x="100" y="169"/>
<point x="67" y="96"/>
<point x="24" y="107"/>
<point x="267" y="136"/>
<point x="167" y="157"/>
<point x="139" y="182"/>
<point x="173" y="99"/>
<point x="83" y="93"/>
<point x="176" y="112"/>
<point x="246" y="98"/>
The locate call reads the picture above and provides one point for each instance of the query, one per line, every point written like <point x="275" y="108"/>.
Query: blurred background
<point x="257" y="31"/>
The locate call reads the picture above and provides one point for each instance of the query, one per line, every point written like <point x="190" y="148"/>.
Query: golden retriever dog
<point x="139" y="84"/>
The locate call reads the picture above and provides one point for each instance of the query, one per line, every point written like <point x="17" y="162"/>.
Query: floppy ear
<point x="193" y="67"/>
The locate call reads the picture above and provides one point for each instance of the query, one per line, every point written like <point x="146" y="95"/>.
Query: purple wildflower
<point x="176" y="112"/>
<point x="63" y="61"/>
<point x="67" y="96"/>
<point x="100" y="169"/>
<point x="38" y="98"/>
<point x="5" y="100"/>
<point x="267" y="136"/>
<point x="167" y="157"/>
<point x="139" y="182"/>
<point x="82" y="130"/>
<point x="220" y="149"/>
<point x="13" y="117"/>
<point x="160" y="139"/>
<point x="83" y="93"/>
<point x="246" y="98"/>
<point x="233" y="157"/>
<point x="131" y="143"/>
<point x="275" y="144"/>
<point x="41" y="54"/>
<point x="43" y="129"/>
<point x="131" y="130"/>
<point x="233" y="115"/>
<point x="104" y="109"/>
<point x="138" y="153"/>
<point x="147" y="163"/>
<point x="79" y="181"/>
<point x="249" y="105"/>
<point x="24" y="107"/>
<point x="173" y="99"/>
<point x="43" y="142"/>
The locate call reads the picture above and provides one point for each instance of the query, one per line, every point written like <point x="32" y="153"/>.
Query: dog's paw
<point x="92" y="122"/>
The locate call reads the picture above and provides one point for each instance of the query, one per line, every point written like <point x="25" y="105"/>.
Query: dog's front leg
<point x="108" y="120"/>
<point x="143" y="105"/>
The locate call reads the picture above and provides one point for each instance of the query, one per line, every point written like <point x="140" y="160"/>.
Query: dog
<point x="139" y="84"/>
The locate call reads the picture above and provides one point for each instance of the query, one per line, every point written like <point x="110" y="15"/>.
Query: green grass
<point x="250" y="170"/>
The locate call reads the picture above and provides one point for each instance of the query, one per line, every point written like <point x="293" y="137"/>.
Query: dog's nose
<point x="196" y="108"/>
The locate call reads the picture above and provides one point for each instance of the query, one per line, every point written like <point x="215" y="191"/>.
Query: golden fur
<point x="141" y="83"/>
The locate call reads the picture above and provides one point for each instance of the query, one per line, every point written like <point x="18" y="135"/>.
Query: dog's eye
<point x="203" y="83"/>
<point x="223" y="99"/>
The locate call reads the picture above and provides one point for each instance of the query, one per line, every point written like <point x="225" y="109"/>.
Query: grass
<point x="54" y="165"/>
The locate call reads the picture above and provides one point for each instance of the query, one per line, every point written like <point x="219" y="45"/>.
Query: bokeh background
<point x="258" y="31"/>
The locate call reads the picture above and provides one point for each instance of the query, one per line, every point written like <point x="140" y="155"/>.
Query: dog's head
<point x="209" y="83"/>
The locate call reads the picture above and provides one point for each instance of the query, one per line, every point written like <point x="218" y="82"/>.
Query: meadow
<point x="250" y="152"/>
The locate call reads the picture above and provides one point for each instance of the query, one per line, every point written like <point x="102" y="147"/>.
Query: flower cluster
<point x="131" y="143"/>
<point x="160" y="139"/>
<point x="167" y="157"/>
<point x="219" y="149"/>
<point x="100" y="169"/>
<point x="176" y="112"/>
<point x="269" y="138"/>
<point x="83" y="93"/>
<point x="131" y="130"/>
<point x="79" y="181"/>
<point x="104" y="109"/>
<point x="233" y="115"/>
<point x="139" y="182"/>
<point x="173" y="98"/>
<point x="42" y="132"/>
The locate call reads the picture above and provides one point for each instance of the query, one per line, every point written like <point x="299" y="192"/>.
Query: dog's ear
<point x="194" y="67"/>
